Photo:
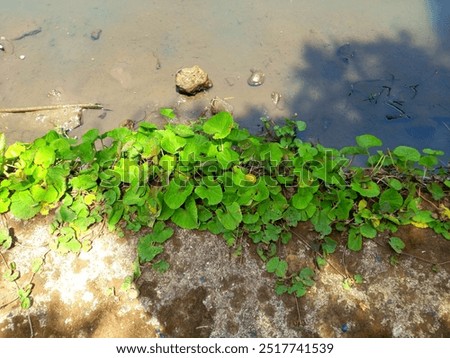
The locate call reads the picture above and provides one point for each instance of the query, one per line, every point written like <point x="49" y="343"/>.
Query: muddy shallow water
<point x="345" y="68"/>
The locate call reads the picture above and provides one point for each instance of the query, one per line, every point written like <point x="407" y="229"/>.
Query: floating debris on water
<point x="275" y="97"/>
<point x="28" y="33"/>
<point x="220" y="105"/>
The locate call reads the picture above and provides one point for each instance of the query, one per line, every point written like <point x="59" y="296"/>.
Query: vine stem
<point x="416" y="257"/>
<point x="5" y="262"/>
<point x="428" y="201"/>
<point x="18" y="288"/>
<point x="298" y="309"/>
<point x="318" y="253"/>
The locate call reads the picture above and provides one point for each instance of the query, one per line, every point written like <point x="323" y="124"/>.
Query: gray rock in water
<point x="192" y="80"/>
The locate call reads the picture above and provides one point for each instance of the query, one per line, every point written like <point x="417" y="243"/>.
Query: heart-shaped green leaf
<point x="390" y="201"/>
<point x="407" y="153"/>
<point x="212" y="193"/>
<point x="23" y="205"/>
<point x="45" y="156"/>
<point x="219" y="125"/>
<point x="186" y="217"/>
<point x="231" y="217"/>
<point x="177" y="193"/>
<point x="354" y="241"/>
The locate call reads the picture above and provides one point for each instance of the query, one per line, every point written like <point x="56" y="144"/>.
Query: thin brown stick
<point x="298" y="310"/>
<point x="8" y="303"/>
<point x="424" y="260"/>
<point x="51" y="107"/>
<point x="344" y="251"/>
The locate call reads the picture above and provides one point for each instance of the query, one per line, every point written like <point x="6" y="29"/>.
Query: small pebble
<point x="95" y="35"/>
<point x="256" y="78"/>
<point x="344" y="327"/>
<point x="160" y="334"/>
<point x="22" y="57"/>
<point x="133" y="293"/>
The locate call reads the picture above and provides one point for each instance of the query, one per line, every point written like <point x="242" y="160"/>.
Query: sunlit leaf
<point x="167" y="112"/>
<point x="219" y="125"/>
<point x="23" y="206"/>
<point x="45" y="156"/>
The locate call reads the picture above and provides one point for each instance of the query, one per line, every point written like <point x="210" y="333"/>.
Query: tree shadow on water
<point x="393" y="89"/>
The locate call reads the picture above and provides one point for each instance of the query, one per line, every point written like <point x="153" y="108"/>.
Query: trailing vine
<point x="213" y="175"/>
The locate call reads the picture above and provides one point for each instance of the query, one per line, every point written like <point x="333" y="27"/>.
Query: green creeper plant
<point x="214" y="176"/>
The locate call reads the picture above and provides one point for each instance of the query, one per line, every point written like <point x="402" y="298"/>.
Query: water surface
<point x="346" y="68"/>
